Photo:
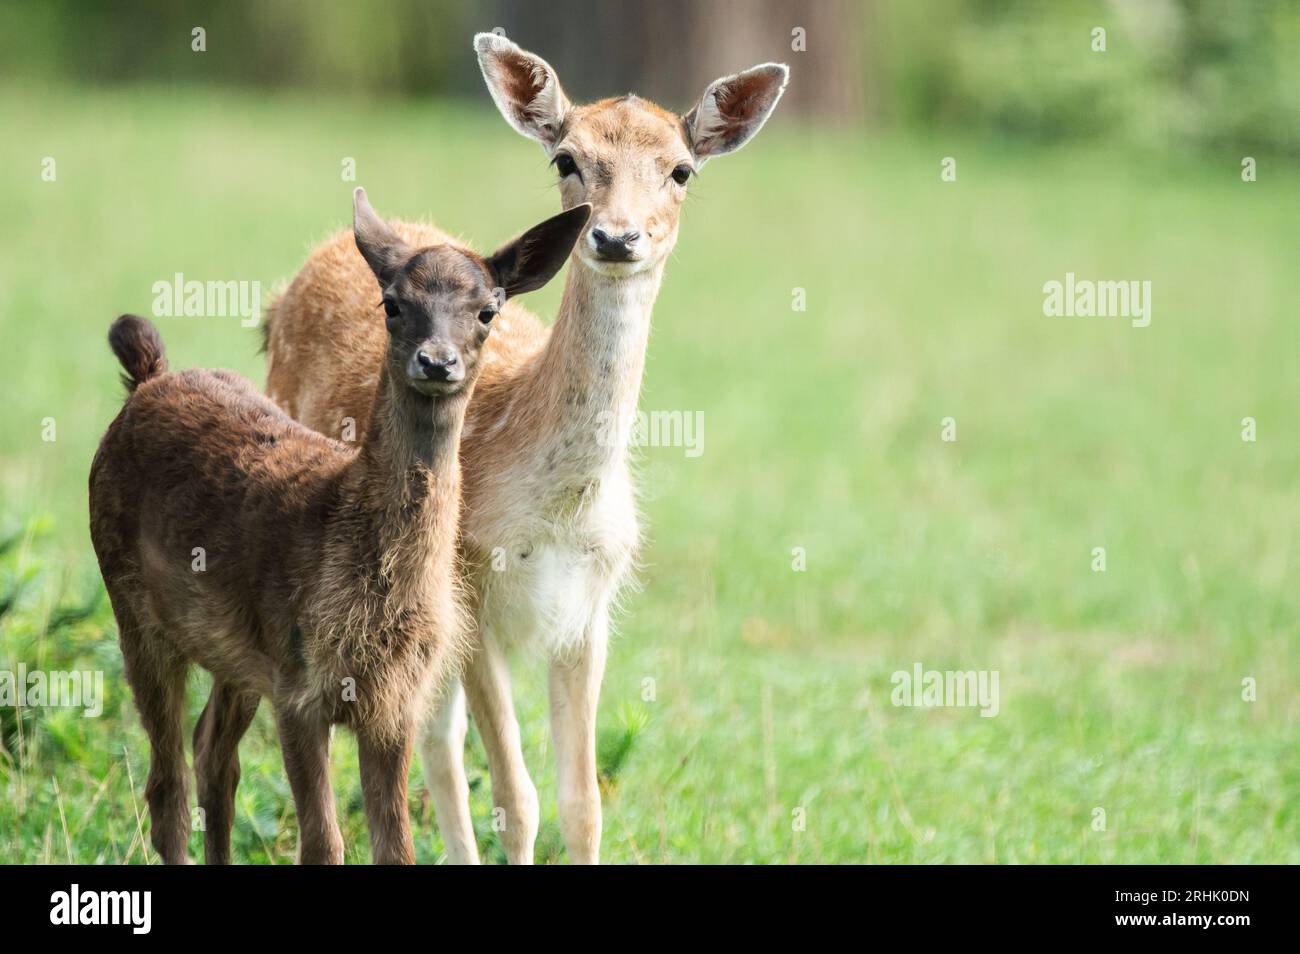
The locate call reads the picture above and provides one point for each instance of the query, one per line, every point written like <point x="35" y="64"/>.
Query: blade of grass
<point x="135" y="805"/>
<point x="63" y="821"/>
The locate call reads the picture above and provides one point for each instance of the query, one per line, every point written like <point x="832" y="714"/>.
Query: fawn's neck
<point x="592" y="366"/>
<point x="407" y="475"/>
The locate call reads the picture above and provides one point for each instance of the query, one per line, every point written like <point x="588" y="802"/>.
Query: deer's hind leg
<point x="156" y="673"/>
<point x="225" y="719"/>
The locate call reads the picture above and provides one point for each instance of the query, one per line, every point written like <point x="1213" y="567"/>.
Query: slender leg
<point x="487" y="686"/>
<point x="223" y="723"/>
<point x="442" y="751"/>
<point x="156" y="674"/>
<point x="305" y="740"/>
<point x="574" y="693"/>
<point x="385" y="766"/>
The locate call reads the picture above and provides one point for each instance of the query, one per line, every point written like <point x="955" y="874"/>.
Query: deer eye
<point x="565" y="165"/>
<point x="682" y="173"/>
<point x="391" y="308"/>
<point x="486" y="315"/>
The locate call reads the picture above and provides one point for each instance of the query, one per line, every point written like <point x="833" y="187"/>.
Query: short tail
<point x="139" y="347"/>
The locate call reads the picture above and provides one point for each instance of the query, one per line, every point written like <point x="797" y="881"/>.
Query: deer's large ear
<point x="523" y="86"/>
<point x="379" y="245"/>
<point x="532" y="260"/>
<point x="733" y="109"/>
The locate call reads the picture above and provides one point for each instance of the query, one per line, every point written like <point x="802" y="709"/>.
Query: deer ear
<point x="523" y="86"/>
<point x="734" y="108"/>
<point x="532" y="260"/>
<point x="379" y="245"/>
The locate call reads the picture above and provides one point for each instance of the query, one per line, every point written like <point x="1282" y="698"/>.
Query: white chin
<point x="615" y="269"/>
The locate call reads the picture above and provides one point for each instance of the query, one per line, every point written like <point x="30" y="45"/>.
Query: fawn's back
<point x="202" y="494"/>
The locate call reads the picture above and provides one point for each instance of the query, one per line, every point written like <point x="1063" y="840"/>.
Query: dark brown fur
<point x="319" y="592"/>
<point x="327" y="577"/>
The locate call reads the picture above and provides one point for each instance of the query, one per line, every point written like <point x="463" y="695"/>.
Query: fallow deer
<point x="549" y="527"/>
<point x="316" y="573"/>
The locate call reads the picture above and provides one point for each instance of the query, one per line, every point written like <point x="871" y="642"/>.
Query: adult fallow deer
<point x="549" y="525"/>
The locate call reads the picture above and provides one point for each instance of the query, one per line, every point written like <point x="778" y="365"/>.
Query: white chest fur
<point x="557" y="542"/>
<point x="555" y="571"/>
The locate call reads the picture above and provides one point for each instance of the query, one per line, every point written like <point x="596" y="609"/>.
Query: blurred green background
<point x="770" y="735"/>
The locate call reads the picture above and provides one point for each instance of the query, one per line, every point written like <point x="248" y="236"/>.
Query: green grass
<point x="771" y="688"/>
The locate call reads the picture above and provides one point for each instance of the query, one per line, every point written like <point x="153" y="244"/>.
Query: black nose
<point x="436" y="369"/>
<point x="614" y="248"/>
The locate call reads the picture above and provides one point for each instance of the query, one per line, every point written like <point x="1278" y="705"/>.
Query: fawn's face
<point x="439" y="302"/>
<point x="629" y="158"/>
<point x="438" y="308"/>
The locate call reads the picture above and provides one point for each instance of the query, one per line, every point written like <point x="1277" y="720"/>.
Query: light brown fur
<point x="549" y="526"/>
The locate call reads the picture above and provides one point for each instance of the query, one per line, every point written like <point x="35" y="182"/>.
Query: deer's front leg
<point x="305" y="741"/>
<point x="385" y="764"/>
<point x="442" y="751"/>
<point x="487" y="686"/>
<point x="575" y="691"/>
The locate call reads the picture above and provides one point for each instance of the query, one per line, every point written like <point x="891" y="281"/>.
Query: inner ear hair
<point x="734" y="108"/>
<point x="524" y="87"/>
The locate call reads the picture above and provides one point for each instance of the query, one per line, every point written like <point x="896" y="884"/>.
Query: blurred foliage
<point x="1196" y="74"/>
<point x="1199" y="74"/>
<point x="403" y="46"/>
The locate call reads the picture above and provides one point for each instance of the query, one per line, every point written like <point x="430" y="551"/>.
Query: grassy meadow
<point x="767" y="733"/>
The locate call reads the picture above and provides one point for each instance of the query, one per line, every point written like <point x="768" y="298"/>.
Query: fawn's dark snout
<point x="436" y="364"/>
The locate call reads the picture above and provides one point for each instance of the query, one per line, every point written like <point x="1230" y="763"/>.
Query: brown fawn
<point x="549" y="527"/>
<point x="316" y="573"/>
